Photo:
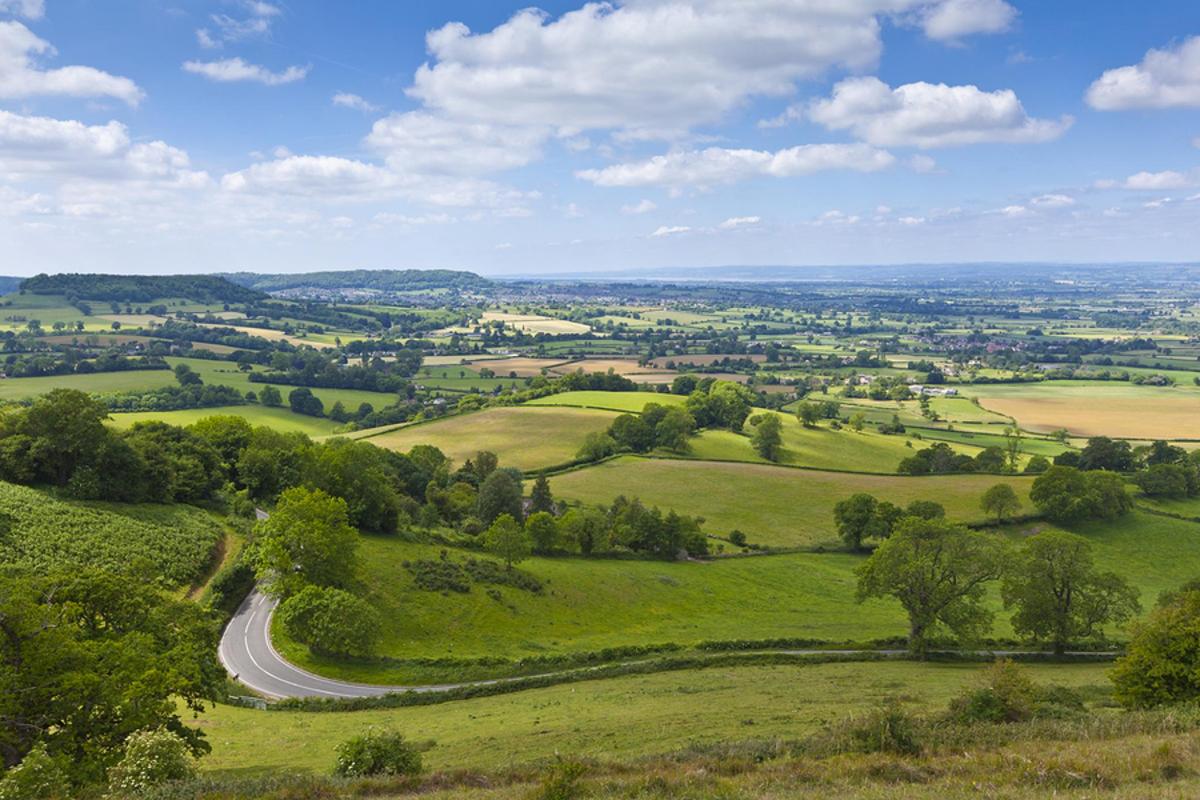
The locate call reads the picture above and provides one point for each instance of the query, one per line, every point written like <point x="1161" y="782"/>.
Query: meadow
<point x="617" y="718"/>
<point x="775" y="506"/>
<point x="176" y="542"/>
<point x="525" y="437"/>
<point x="632" y="402"/>
<point x="1098" y="408"/>
<point x="279" y="418"/>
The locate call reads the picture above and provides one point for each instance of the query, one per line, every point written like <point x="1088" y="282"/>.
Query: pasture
<point x="617" y="718"/>
<point x="525" y="437"/>
<point x="775" y="506"/>
<point x="1098" y="408"/>
<point x="281" y="418"/>
<point x="632" y="402"/>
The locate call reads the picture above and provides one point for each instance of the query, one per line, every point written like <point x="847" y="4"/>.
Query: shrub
<point x="331" y="621"/>
<point x="887" y="729"/>
<point x="561" y="782"/>
<point x="377" y="753"/>
<point x="37" y="777"/>
<point x="151" y="758"/>
<point x="1159" y="666"/>
<point x="1007" y="694"/>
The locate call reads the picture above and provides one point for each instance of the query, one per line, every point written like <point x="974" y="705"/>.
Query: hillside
<point x="383" y="280"/>
<point x="141" y="288"/>
<point x="43" y="532"/>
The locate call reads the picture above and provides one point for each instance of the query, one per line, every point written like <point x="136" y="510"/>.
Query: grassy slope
<point x="614" y="401"/>
<point x="772" y="505"/>
<point x="279" y="418"/>
<point x="47" y="532"/>
<point x="523" y="437"/>
<point x="616" y="718"/>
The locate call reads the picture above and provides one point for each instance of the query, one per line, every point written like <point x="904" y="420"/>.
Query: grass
<point x="126" y="381"/>
<point x="174" y="541"/>
<point x="619" y="718"/>
<point x="1099" y="408"/>
<point x="524" y="437"/>
<point x="613" y="401"/>
<point x="281" y="419"/>
<point x="772" y="505"/>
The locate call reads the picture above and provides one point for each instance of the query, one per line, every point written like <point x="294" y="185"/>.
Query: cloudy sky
<point x="281" y="135"/>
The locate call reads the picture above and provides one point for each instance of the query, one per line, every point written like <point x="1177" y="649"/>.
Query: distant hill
<point x="141" y="288"/>
<point x="383" y="280"/>
<point x="9" y="285"/>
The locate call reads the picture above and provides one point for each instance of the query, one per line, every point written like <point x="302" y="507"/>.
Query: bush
<point x="377" y="753"/>
<point x="561" y="782"/>
<point x="1007" y="694"/>
<point x="331" y="621"/>
<point x="887" y="729"/>
<point x="37" y="777"/>
<point x="151" y="758"/>
<point x="1159" y="666"/>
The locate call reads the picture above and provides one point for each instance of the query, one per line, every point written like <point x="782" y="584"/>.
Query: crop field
<point x="281" y="419"/>
<point x="606" y="719"/>
<point x="1101" y="408"/>
<point x="613" y="401"/>
<point x="776" y="506"/>
<point x="536" y="323"/>
<point x="45" y="533"/>
<point x="628" y="367"/>
<point x="525" y="437"/>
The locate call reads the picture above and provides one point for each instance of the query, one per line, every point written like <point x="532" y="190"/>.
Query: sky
<point x="151" y="136"/>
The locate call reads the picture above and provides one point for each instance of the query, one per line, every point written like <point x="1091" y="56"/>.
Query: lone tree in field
<point x="1058" y="594"/>
<point x="808" y="413"/>
<point x="938" y="572"/>
<point x="1000" y="500"/>
<point x="767" y="437"/>
<point x="507" y="540"/>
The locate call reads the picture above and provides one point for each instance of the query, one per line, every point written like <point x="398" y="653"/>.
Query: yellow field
<point x="535" y="323"/>
<point x="1098" y="409"/>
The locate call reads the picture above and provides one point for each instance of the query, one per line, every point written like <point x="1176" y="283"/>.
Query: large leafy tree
<point x="767" y="436"/>
<point x="360" y="474"/>
<point x="88" y="658"/>
<point x="1058" y="594"/>
<point x="306" y="540"/>
<point x="938" y="572"/>
<point x="331" y="621"/>
<point x="499" y="494"/>
<point x="1159" y="666"/>
<point x="507" y="540"/>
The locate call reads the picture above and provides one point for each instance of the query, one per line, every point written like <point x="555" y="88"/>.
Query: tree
<point x="1058" y="594"/>
<point x="858" y="420"/>
<point x="1102" y="452"/>
<point x="302" y="401"/>
<point x="66" y="431"/>
<point x="540" y="498"/>
<point x="673" y="430"/>
<point x="1065" y="494"/>
<point x="306" y="540"/>
<point x="542" y="528"/>
<point x="507" y="540"/>
<point x="152" y="757"/>
<point x="857" y="520"/>
<point x="938" y="572"/>
<point x="1163" y="480"/>
<point x="808" y="413"/>
<point x="631" y="432"/>
<point x="1159" y="665"/>
<point x="499" y="494"/>
<point x="596" y="445"/>
<point x="1000" y="500"/>
<point x="270" y="397"/>
<point x="991" y="459"/>
<point x="1037" y="465"/>
<point x="683" y="384"/>
<point x="229" y="434"/>
<point x="1012" y="447"/>
<point x="767" y="437"/>
<point x="331" y="621"/>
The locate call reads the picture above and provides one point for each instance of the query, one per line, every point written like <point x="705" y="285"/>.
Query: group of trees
<point x="939" y="573"/>
<point x="1066" y="494"/>
<point x="658" y="426"/>
<point x="941" y="458"/>
<point x="861" y="517"/>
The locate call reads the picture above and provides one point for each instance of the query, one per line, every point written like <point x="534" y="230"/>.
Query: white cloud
<point x="655" y="67"/>
<point x="670" y="230"/>
<point x="911" y="221"/>
<point x="954" y="19"/>
<point x="645" y="206"/>
<point x="930" y="115"/>
<point x="347" y="100"/>
<point x="68" y="149"/>
<point x="312" y="176"/>
<point x="922" y="163"/>
<point x="717" y="165"/>
<point x="417" y="141"/>
<point x="388" y="218"/>
<point x="20" y="77"/>
<point x="231" y="70"/>
<point x="836" y="217"/>
<point x="573" y="211"/>
<point x="256" y="23"/>
<point x="1053" y="201"/>
<point x="1159" y="203"/>
<point x="1168" y="78"/>
<point x="1014" y="211"/>
<point x="734" y="223"/>
<point x="1157" y="181"/>
<point x="29" y="9"/>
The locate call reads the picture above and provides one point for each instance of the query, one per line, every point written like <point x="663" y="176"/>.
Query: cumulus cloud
<point x="311" y="175"/>
<point x="734" y="223"/>
<point x="1014" y="211"/>
<point x="20" y="76"/>
<point x="644" y="206"/>
<point x="29" y="9"/>
<point x="1168" y="78"/>
<point x="1053" y="201"/>
<point x="717" y="165"/>
<point x="1157" y="181"/>
<point x="418" y="141"/>
<point x="670" y="230"/>
<point x="233" y="70"/>
<point x="928" y="115"/>
<point x="658" y="67"/>
<point x="347" y="100"/>
<point x="954" y="19"/>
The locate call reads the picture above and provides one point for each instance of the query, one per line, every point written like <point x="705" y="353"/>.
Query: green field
<point x="776" y="506"/>
<point x="280" y="419"/>
<point x="619" y="718"/>
<point x="613" y="401"/>
<point x="126" y="381"/>
<point x="524" y="437"/>
<point x="174" y="541"/>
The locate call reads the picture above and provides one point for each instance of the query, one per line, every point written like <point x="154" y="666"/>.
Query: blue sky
<point x="263" y="135"/>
